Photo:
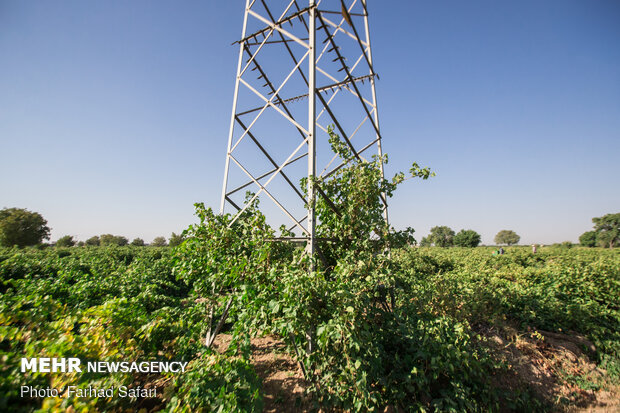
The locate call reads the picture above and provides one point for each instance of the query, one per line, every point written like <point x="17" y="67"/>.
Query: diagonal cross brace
<point x="286" y="178"/>
<point x="342" y="132"/>
<point x="346" y="69"/>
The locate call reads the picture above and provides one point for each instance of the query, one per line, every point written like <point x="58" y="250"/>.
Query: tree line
<point x="442" y="236"/>
<point x="21" y="227"/>
<point x="109" y="239"/>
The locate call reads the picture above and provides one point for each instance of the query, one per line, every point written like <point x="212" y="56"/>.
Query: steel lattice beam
<point x="303" y="54"/>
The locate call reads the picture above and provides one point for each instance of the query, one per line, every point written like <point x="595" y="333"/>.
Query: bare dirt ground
<point x="283" y="382"/>
<point x="555" y="366"/>
<point x="557" y="369"/>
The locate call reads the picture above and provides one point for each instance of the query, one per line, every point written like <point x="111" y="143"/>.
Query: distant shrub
<point x="66" y="241"/>
<point x="467" y="238"/>
<point x="159" y="242"/>
<point x="109" y="239"/>
<point x="507" y="237"/>
<point x="93" y="241"/>
<point x="138" y="242"/>
<point x="176" y="239"/>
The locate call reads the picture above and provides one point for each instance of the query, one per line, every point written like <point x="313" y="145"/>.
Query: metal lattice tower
<point x="300" y="69"/>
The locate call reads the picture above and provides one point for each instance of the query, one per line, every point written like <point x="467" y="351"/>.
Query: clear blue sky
<point x="114" y="115"/>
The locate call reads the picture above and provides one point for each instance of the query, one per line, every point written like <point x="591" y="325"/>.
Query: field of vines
<point x="418" y="329"/>
<point x="372" y="324"/>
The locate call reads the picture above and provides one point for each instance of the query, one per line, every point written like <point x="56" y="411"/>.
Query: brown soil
<point x="556" y="367"/>
<point x="283" y="382"/>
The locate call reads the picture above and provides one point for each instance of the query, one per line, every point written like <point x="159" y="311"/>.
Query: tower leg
<point x="234" y="107"/>
<point x="311" y="130"/>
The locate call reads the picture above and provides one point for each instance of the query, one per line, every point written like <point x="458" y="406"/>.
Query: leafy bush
<point x="176" y="239"/>
<point x="159" y="242"/>
<point x="93" y="241"/>
<point x="66" y="241"/>
<point x="137" y="242"/>
<point x="351" y="205"/>
<point x="217" y="383"/>
<point x="467" y="238"/>
<point x="109" y="239"/>
<point x="221" y="260"/>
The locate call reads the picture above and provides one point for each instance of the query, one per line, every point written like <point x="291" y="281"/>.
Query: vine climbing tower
<point x="302" y="68"/>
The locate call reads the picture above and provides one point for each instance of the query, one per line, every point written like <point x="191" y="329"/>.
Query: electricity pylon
<point x="299" y="71"/>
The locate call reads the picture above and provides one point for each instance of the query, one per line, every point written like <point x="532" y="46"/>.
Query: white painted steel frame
<point x="308" y="133"/>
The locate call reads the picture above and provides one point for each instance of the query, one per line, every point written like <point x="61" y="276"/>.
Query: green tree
<point x="21" y="227"/>
<point x="467" y="238"/>
<point x="607" y="230"/>
<point x="588" y="239"/>
<point x="94" y="241"/>
<point x="109" y="239"/>
<point x="159" y="242"/>
<point x="425" y="242"/>
<point x="106" y="239"/>
<point x="507" y="237"/>
<point x="442" y="236"/>
<point x="66" y="241"/>
<point x="138" y="242"/>
<point x="176" y="239"/>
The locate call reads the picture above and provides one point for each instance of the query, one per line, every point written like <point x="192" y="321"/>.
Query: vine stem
<point x="212" y="334"/>
<point x="299" y="359"/>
